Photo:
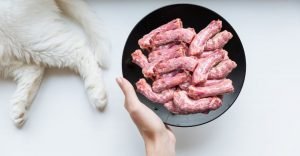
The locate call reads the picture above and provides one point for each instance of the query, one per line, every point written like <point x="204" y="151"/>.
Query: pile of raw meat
<point x="188" y="70"/>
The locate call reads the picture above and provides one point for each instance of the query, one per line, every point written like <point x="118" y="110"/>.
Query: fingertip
<point x="125" y="85"/>
<point x="125" y="80"/>
<point x="120" y="83"/>
<point x="119" y="80"/>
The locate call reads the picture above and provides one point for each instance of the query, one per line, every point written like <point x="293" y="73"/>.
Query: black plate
<point x="196" y="17"/>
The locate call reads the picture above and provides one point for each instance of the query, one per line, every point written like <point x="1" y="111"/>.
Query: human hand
<point x="158" y="138"/>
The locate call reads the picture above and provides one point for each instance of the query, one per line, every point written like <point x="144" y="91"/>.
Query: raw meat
<point x="147" y="67"/>
<point x="169" y="82"/>
<point x="222" y="69"/>
<point x="188" y="70"/>
<point x="185" y="85"/>
<point x="144" y="88"/>
<point x="181" y="34"/>
<point x="213" y="90"/>
<point x="165" y="54"/>
<point x="218" y="41"/>
<point x="204" y="65"/>
<point x="170" y="74"/>
<point x="206" y="54"/>
<point x="145" y="42"/>
<point x="148" y="70"/>
<point x="210" y="83"/>
<point x="198" y="44"/>
<point x="139" y="58"/>
<point x="186" y="63"/>
<point x="165" y="46"/>
<point x="171" y="107"/>
<point x="184" y="105"/>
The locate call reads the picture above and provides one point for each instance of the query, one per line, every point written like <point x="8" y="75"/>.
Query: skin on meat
<point x="148" y="68"/>
<point x="169" y="82"/>
<point x="199" y="42"/>
<point x="222" y="69"/>
<point x="170" y="74"/>
<point x="145" y="41"/>
<point x="184" y="62"/>
<point x="144" y="88"/>
<point x="165" y="46"/>
<point x="165" y="54"/>
<point x="181" y="34"/>
<point x="185" y="85"/>
<point x="210" y="83"/>
<point x="218" y="41"/>
<point x="185" y="105"/>
<point x="139" y="58"/>
<point x="205" y="65"/>
<point x="207" y="53"/>
<point x="214" y="90"/>
<point x="171" y="107"/>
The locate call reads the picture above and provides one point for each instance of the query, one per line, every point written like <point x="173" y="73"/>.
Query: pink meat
<point x="145" y="42"/>
<point x="148" y="70"/>
<point x="168" y="75"/>
<point x="226" y="57"/>
<point x="210" y="83"/>
<point x="171" y="107"/>
<point x="199" y="41"/>
<point x="206" y="54"/>
<point x="165" y="54"/>
<point x="185" y="105"/>
<point x="204" y="66"/>
<point x="170" y="45"/>
<point x="169" y="82"/>
<point x="181" y="34"/>
<point x="144" y="88"/>
<point x="217" y="89"/>
<point x="174" y="54"/>
<point x="185" y="85"/>
<point x="186" y="63"/>
<point x="218" y="41"/>
<point x="139" y="58"/>
<point x="165" y="46"/>
<point x="222" y="69"/>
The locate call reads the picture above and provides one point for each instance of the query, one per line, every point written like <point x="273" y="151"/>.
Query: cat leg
<point x="82" y="14"/>
<point x="28" y="79"/>
<point x="91" y="73"/>
<point x="63" y="48"/>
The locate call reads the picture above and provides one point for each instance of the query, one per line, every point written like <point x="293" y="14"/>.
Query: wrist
<point x="160" y="145"/>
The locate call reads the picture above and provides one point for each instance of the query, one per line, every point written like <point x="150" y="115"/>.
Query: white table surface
<point x="263" y="121"/>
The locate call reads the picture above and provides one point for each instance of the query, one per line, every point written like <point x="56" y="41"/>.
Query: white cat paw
<point x="99" y="100"/>
<point x="18" y="115"/>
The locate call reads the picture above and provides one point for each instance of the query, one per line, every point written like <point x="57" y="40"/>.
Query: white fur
<point x="34" y="34"/>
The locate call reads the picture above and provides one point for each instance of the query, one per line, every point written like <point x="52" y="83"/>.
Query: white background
<point x="263" y="121"/>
